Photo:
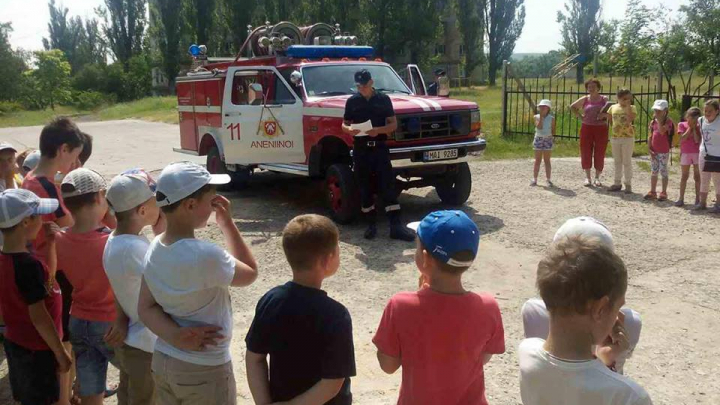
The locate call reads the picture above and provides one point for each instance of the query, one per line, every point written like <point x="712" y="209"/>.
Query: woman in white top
<point x="710" y="145"/>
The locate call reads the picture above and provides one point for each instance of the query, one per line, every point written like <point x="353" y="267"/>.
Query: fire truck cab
<point x="279" y="105"/>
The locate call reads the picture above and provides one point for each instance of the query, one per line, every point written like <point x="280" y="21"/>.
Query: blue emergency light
<point x="329" y="51"/>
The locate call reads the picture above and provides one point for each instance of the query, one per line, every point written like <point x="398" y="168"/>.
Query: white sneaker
<point x="533" y="183"/>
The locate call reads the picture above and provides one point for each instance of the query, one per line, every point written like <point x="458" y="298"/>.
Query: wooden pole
<point x="505" y="95"/>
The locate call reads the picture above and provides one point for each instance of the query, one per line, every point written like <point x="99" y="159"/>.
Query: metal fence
<point x="695" y="101"/>
<point x="520" y="95"/>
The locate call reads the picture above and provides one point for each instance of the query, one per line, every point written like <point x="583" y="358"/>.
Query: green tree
<point x="702" y="18"/>
<point x="580" y="30"/>
<point x="504" y="20"/>
<point x="235" y="16"/>
<point x="634" y="53"/>
<point x="49" y="83"/>
<point x="12" y="66"/>
<point x="202" y="16"/>
<point x="168" y="22"/>
<point x="471" y="25"/>
<point x="124" y="27"/>
<point x="606" y="46"/>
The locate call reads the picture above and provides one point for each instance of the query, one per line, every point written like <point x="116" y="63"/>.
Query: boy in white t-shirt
<point x="132" y="197"/>
<point x="186" y="283"/>
<point x="583" y="283"/>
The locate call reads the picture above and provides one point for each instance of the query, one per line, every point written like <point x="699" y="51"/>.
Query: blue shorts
<point x="92" y="354"/>
<point x="543" y="143"/>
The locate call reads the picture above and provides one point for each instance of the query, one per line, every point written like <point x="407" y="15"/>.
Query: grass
<point x="28" y="118"/>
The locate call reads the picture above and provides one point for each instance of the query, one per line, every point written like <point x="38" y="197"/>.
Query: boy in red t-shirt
<point x="31" y="302"/>
<point x="441" y="335"/>
<point x="93" y="307"/>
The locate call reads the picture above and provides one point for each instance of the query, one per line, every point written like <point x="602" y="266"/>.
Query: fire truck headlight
<point x="203" y="49"/>
<point x="264" y="42"/>
<point x="276" y="42"/>
<point x="286" y="42"/>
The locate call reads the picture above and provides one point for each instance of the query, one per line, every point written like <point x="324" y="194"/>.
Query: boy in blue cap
<point x="441" y="335"/>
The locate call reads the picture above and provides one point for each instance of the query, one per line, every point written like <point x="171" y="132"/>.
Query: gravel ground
<point x="671" y="254"/>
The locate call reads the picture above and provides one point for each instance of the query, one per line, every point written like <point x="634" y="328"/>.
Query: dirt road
<point x="672" y="256"/>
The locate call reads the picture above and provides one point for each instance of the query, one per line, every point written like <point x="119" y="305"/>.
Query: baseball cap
<point x="82" y="181"/>
<point x="439" y="72"/>
<point x="545" y="102"/>
<point x="445" y="233"/>
<point x="130" y="189"/>
<point x="180" y="179"/>
<point x="585" y="226"/>
<point x="7" y="146"/>
<point x="31" y="161"/>
<point x="661" y="105"/>
<point x="362" y="77"/>
<point x="17" y="204"/>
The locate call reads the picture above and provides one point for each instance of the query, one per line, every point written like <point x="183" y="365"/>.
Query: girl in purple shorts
<point x="543" y="142"/>
<point x="690" y="137"/>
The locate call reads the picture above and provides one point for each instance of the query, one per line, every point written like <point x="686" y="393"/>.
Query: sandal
<point x="663" y="196"/>
<point x="533" y="183"/>
<point x="597" y="183"/>
<point x="679" y="203"/>
<point x="650" y="196"/>
<point x="587" y="183"/>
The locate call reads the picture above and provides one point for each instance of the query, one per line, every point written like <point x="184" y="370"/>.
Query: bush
<point x="9" y="107"/>
<point x="89" y="100"/>
<point x="91" y="78"/>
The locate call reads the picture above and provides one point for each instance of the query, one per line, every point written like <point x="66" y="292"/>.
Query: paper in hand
<point x="607" y="106"/>
<point x="363" y="127"/>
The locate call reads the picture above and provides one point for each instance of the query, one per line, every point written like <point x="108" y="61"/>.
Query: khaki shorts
<point x="136" y="381"/>
<point x="189" y="384"/>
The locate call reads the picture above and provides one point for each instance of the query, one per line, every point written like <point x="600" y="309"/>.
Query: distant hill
<point x="520" y="56"/>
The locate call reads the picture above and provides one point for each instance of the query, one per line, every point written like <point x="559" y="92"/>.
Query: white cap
<point x="127" y="191"/>
<point x="179" y="180"/>
<point x="586" y="226"/>
<point x="7" y="146"/>
<point x="17" y="204"/>
<point x="660" y="105"/>
<point x="31" y="160"/>
<point x="82" y="181"/>
<point x="546" y="103"/>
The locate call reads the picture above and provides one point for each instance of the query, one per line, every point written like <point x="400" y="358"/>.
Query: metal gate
<point x="521" y="95"/>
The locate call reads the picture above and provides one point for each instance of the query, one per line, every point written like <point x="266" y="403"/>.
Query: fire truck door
<point x="416" y="81"/>
<point x="262" y="118"/>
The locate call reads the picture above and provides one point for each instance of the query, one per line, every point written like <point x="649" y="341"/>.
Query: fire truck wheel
<point x="216" y="165"/>
<point x="342" y="193"/>
<point x="456" y="189"/>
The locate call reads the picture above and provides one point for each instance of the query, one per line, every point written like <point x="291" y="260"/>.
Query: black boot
<point x="370" y="219"/>
<point x="398" y="230"/>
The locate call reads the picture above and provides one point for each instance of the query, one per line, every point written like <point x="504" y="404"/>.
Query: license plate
<point x="443" y="154"/>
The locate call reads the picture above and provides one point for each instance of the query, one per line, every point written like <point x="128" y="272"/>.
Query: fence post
<point x="661" y="79"/>
<point x="504" y="99"/>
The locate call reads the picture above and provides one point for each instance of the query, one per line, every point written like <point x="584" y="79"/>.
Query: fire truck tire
<point x="456" y="189"/>
<point x="216" y="165"/>
<point x="343" y="195"/>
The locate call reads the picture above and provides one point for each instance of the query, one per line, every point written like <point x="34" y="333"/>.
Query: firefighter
<point x="371" y="156"/>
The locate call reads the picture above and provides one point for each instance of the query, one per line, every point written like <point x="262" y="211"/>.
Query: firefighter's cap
<point x="130" y="189"/>
<point x="362" y="77"/>
<point x="180" y="179"/>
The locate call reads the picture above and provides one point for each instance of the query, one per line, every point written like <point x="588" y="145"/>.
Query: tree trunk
<point x="580" y="73"/>
<point x="492" y="71"/>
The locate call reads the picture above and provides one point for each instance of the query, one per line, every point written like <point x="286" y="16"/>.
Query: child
<point x="710" y="127"/>
<point x="186" y="282"/>
<point x="93" y="302"/>
<point x="583" y="284"/>
<point x="307" y="334"/>
<point x="662" y="129"/>
<point x="621" y="117"/>
<point x="60" y="146"/>
<point x="132" y="197"/>
<point x="536" y="319"/>
<point x="27" y="161"/>
<point x="441" y="335"/>
<point x="690" y="153"/>
<point x="30" y="300"/>
<point x="8" y="176"/>
<point x="543" y="142"/>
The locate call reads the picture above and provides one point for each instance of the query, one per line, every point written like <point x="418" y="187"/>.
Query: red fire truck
<point x="278" y="106"/>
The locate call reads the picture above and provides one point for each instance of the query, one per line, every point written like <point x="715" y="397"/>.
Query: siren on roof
<point x="329" y="51"/>
<point x="279" y="38"/>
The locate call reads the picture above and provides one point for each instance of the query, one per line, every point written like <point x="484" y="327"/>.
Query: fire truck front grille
<point x="432" y="125"/>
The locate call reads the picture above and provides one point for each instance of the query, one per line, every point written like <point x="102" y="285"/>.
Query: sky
<point x="541" y="33"/>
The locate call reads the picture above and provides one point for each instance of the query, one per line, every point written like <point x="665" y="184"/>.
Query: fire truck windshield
<point x="337" y="80"/>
